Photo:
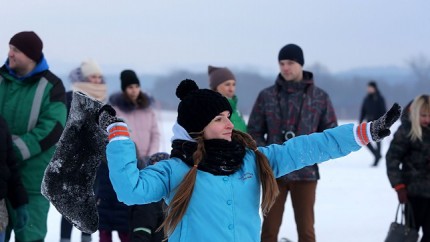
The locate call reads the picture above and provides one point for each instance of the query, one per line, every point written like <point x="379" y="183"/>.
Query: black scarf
<point x="222" y="157"/>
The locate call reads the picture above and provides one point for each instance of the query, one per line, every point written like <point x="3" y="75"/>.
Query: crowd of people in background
<point x="34" y="107"/>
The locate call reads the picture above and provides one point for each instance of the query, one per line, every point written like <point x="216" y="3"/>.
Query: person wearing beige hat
<point x="222" y="80"/>
<point x="86" y="78"/>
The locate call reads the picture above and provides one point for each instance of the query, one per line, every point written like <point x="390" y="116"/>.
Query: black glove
<point x="380" y="128"/>
<point x="106" y="117"/>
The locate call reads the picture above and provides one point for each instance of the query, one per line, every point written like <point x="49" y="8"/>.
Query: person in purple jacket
<point x="212" y="181"/>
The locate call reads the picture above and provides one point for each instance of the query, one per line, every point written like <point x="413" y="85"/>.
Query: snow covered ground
<point x="354" y="202"/>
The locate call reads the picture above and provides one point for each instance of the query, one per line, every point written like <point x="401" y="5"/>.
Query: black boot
<point x="377" y="158"/>
<point x="377" y="154"/>
<point x="69" y="178"/>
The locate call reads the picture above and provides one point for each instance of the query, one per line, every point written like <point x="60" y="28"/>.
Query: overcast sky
<point x="159" y="36"/>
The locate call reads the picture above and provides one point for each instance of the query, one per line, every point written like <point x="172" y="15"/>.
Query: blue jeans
<point x="2" y="235"/>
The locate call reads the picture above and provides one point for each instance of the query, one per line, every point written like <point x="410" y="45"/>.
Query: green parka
<point x="236" y="117"/>
<point x="35" y="110"/>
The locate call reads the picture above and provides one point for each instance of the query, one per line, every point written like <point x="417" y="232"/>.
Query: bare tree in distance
<point x="420" y="67"/>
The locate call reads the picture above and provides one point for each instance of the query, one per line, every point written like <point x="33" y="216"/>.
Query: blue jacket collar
<point x="41" y="66"/>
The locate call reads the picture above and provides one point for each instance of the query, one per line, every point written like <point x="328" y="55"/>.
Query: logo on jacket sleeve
<point x="246" y="175"/>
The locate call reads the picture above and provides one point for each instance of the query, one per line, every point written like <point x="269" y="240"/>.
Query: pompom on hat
<point x="198" y="107"/>
<point x="28" y="43"/>
<point x="218" y="75"/>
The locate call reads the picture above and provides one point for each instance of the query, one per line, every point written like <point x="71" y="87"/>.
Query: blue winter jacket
<point x="222" y="208"/>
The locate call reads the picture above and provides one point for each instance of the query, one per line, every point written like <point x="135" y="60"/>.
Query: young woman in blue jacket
<point x="212" y="183"/>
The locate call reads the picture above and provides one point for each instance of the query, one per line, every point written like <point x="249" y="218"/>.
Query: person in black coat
<point x="113" y="214"/>
<point x="11" y="187"/>
<point x="372" y="108"/>
<point x="147" y="218"/>
<point x="408" y="163"/>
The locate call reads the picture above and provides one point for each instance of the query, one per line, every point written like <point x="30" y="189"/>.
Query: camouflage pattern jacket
<point x="409" y="162"/>
<point x="291" y="106"/>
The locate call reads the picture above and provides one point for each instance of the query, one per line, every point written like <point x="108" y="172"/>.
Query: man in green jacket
<point x="32" y="101"/>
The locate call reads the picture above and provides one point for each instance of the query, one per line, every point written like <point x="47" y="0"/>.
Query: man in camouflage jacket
<point x="292" y="106"/>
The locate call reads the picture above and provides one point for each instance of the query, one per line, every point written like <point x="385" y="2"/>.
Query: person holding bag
<point x="403" y="230"/>
<point x="216" y="175"/>
<point x="408" y="164"/>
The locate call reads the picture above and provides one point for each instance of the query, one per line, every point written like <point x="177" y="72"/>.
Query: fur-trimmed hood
<point x="120" y="100"/>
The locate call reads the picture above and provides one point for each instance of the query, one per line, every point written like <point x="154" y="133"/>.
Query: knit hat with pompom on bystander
<point x="198" y="106"/>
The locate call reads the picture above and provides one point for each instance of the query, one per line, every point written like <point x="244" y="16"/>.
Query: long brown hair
<point x="178" y="206"/>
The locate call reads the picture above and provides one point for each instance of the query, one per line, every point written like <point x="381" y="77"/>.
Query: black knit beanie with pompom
<point x="198" y="106"/>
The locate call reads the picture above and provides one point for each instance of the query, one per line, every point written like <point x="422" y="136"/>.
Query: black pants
<point x="376" y="151"/>
<point x="421" y="210"/>
<point x="148" y="216"/>
<point x="66" y="229"/>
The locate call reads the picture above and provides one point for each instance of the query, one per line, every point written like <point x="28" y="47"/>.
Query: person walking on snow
<point x="373" y="106"/>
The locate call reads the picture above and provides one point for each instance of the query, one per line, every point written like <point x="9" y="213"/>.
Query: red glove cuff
<point x="118" y="131"/>
<point x="362" y="133"/>
<point x="399" y="186"/>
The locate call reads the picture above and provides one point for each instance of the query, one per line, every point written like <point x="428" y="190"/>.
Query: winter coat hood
<point x="77" y="76"/>
<point x="41" y="66"/>
<point x="122" y="102"/>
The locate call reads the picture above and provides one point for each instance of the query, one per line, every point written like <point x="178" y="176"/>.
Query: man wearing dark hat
<point x="291" y="107"/>
<point x="33" y="104"/>
<point x="373" y="105"/>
